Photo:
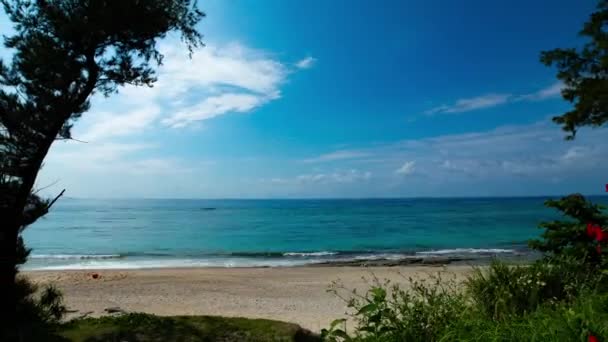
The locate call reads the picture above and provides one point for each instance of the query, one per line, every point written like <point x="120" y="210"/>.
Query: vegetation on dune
<point x="150" y="328"/>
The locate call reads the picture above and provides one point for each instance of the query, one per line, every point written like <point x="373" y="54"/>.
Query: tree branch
<point x="80" y="141"/>
<point x="55" y="200"/>
<point x="46" y="187"/>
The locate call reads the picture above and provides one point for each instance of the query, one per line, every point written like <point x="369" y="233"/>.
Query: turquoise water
<point x="172" y="233"/>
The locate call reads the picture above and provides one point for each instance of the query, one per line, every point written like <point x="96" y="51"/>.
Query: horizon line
<point x="323" y="198"/>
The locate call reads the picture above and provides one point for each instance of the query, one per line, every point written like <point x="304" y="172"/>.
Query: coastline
<point x="293" y="294"/>
<point x="136" y="261"/>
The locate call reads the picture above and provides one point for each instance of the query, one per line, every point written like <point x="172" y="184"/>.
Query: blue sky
<point x="344" y="99"/>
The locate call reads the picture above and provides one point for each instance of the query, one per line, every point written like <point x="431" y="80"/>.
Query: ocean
<point x="87" y="233"/>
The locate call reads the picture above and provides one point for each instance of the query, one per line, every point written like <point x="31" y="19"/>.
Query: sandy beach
<point x="297" y="294"/>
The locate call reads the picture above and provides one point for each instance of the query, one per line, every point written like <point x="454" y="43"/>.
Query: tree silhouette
<point x="584" y="74"/>
<point x="64" y="52"/>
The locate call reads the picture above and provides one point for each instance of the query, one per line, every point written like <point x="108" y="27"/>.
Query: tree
<point x="65" y="51"/>
<point x="584" y="73"/>
<point x="571" y="238"/>
<point x="585" y="76"/>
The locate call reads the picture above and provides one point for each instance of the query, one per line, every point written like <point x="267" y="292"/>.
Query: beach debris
<point x="95" y="276"/>
<point x="114" y="309"/>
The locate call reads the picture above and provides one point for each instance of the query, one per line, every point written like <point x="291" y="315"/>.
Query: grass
<point x="587" y="315"/>
<point x="149" y="328"/>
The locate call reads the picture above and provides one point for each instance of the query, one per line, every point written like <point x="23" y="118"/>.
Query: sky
<point x="331" y="99"/>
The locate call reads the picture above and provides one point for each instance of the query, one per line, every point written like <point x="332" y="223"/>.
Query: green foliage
<point x="422" y="312"/>
<point x="149" y="328"/>
<point x="540" y="302"/>
<point x="39" y="312"/>
<point x="584" y="73"/>
<point x="587" y="315"/>
<point x="569" y="238"/>
<point x="502" y="291"/>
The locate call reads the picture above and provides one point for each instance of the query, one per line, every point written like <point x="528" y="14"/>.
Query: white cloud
<point x="337" y="155"/>
<point x="106" y="125"/>
<point x="215" y="106"/>
<point x="218" y="80"/>
<point x="118" y="170"/>
<point x="576" y="152"/>
<point x="553" y="90"/>
<point x="336" y="177"/>
<point x="493" y="100"/>
<point x="467" y="105"/>
<point x="407" y="168"/>
<point x="306" y="63"/>
<point x="518" y="154"/>
<point x="349" y="176"/>
<point x="233" y="65"/>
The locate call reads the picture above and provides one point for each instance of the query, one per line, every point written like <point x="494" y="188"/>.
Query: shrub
<point x="38" y="314"/>
<point x="570" y="238"/>
<point x="389" y="313"/>
<point x="504" y="290"/>
<point x="576" y="321"/>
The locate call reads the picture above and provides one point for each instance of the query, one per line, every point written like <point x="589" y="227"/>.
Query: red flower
<point x="594" y="231"/>
<point x="590" y="230"/>
<point x="593" y="339"/>
<point x="599" y="234"/>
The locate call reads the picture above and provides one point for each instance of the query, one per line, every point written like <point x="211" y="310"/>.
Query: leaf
<point x="342" y="334"/>
<point x="336" y="323"/>
<point x="378" y="293"/>
<point x="367" y="308"/>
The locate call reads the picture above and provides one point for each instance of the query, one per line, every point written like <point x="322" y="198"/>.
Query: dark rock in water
<point x="437" y="260"/>
<point x="207" y="209"/>
<point x="392" y="262"/>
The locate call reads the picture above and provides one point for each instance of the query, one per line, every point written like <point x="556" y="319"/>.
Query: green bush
<point x="576" y="321"/>
<point x="389" y="313"/>
<point x="438" y="312"/>
<point x="569" y="238"/>
<point x="39" y="312"/>
<point x="502" y="290"/>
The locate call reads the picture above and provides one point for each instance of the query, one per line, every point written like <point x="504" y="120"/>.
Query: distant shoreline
<point x="413" y="260"/>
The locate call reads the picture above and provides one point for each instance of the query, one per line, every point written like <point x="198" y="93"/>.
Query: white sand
<point x="297" y="294"/>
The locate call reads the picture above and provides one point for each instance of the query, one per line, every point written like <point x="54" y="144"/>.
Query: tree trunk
<point x="8" y="271"/>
